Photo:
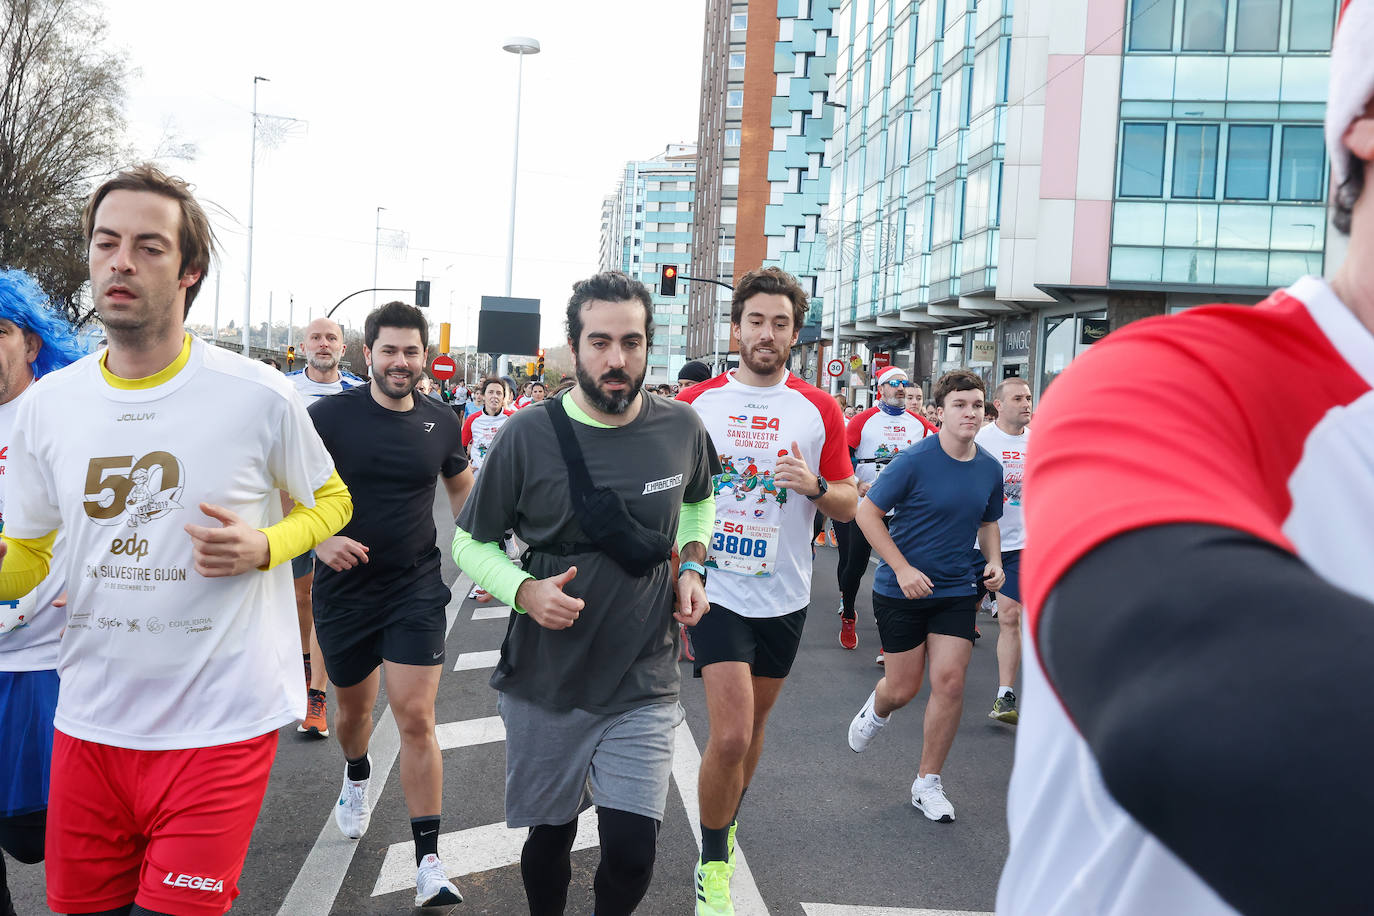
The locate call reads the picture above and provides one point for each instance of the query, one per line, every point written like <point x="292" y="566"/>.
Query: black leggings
<point x="22" y="836"/>
<point x="628" y="845"/>
<point x="853" y="563"/>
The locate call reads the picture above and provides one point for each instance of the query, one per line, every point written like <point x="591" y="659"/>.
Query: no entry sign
<point x="443" y="368"/>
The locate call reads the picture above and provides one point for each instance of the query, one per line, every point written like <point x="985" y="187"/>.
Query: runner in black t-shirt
<point x="378" y="596"/>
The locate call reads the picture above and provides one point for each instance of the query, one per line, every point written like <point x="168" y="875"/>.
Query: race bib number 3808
<point x="743" y="548"/>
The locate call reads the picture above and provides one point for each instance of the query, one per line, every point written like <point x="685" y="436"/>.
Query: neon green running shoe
<point x="713" y="889"/>
<point x="730" y="846"/>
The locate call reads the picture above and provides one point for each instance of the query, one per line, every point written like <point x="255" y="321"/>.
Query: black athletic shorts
<point x="1011" y="568"/>
<point x="355" y="642"/>
<point x="904" y="622"/>
<point x="767" y="644"/>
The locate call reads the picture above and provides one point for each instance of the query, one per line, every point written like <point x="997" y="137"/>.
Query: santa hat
<point x="1352" y="80"/>
<point x="888" y="373"/>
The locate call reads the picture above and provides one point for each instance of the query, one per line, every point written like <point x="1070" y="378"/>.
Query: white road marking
<point x="831" y="909"/>
<point x="317" y="883"/>
<point x="467" y="852"/>
<point x="491" y="612"/>
<point x="473" y="661"/>
<point x="686" y="762"/>
<point x="470" y="732"/>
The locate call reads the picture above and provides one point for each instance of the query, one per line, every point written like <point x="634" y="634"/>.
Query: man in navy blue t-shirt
<point x="946" y="491"/>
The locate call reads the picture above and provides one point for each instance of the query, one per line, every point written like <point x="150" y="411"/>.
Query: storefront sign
<point x="1094" y="329"/>
<point x="982" y="351"/>
<point x="1016" y="338"/>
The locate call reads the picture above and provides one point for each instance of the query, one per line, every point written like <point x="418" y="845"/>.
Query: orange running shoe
<point x="316" y="723"/>
<point x="849" y="638"/>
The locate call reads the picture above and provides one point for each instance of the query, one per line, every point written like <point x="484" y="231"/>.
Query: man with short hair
<point x="321" y="376"/>
<point x="945" y="491"/>
<point x="1185" y="467"/>
<point x="588" y="678"/>
<point x="178" y="663"/>
<point x="379" y="600"/>
<point x="35" y="339"/>
<point x="781" y="446"/>
<point x="1007" y="439"/>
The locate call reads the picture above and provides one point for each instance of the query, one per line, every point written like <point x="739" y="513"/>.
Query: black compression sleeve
<point x="1218" y="681"/>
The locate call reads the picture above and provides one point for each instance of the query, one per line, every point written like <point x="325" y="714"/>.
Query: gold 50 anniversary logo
<point x="120" y="489"/>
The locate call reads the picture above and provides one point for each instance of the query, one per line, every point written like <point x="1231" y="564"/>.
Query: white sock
<point x="1003" y="691"/>
<point x="873" y="711"/>
<point x="928" y="780"/>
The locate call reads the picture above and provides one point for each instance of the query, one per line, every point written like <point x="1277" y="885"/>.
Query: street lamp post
<point x="839" y="265"/>
<point x="519" y="46"/>
<point x="376" y="249"/>
<point x="252" y="177"/>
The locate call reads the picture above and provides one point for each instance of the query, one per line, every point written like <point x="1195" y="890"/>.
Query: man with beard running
<point x="781" y="445"/>
<point x="320" y="377"/>
<point x="588" y="677"/>
<point x="378" y="599"/>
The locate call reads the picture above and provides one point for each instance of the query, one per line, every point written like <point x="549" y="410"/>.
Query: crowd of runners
<point x="148" y="657"/>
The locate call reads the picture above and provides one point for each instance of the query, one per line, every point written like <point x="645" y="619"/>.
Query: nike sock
<point x="425" y="830"/>
<point x="1003" y="691"/>
<point x="358" y="770"/>
<point x="714" y="843"/>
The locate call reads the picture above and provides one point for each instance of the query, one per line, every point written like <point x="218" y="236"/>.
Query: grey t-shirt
<point x="622" y="651"/>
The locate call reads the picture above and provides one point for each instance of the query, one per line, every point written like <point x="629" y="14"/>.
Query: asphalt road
<point x="823" y="832"/>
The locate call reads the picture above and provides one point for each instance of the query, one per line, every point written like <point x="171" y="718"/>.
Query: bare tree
<point x="61" y="127"/>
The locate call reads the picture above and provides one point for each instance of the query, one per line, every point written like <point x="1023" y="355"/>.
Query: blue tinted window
<point x="1204" y="25"/>
<point x="1301" y="162"/>
<point x="1247" y="162"/>
<point x="1142" y="160"/>
<point x="1195" y="160"/>
<point x="1257" y="25"/>
<point x="1152" y="25"/>
<point x="1312" y="25"/>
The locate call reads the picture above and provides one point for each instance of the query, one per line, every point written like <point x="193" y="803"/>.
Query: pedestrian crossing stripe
<point x="475" y="661"/>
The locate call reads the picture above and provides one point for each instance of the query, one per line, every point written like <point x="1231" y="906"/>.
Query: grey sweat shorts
<point x="558" y="764"/>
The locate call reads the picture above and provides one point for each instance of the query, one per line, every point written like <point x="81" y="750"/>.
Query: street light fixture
<point x="519" y="46"/>
<point x="839" y="264"/>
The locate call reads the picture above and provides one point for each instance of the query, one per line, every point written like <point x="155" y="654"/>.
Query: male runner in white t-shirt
<point x="178" y="663"/>
<point x="320" y="377"/>
<point x="781" y="442"/>
<point x="1006" y="439"/>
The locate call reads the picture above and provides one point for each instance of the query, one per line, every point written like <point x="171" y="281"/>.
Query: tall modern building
<point x="1010" y="182"/>
<point x="645" y="224"/>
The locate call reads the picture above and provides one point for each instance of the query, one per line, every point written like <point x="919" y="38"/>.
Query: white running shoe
<point x="865" y="725"/>
<point x="432" y="886"/>
<point x="988" y="604"/>
<point x="930" y="800"/>
<point x="353" y="812"/>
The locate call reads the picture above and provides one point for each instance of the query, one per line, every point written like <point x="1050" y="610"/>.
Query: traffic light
<point x="667" y="281"/>
<point x="290" y="356"/>
<point x="529" y="369"/>
<point x="422" y="293"/>
<point x="444" y="330"/>
<point x="539" y="366"/>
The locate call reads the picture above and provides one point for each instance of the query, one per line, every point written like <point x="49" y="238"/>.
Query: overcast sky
<point x="410" y="106"/>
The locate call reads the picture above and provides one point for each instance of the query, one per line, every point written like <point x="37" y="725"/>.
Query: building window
<point x="1301" y="162"/>
<point x="732" y="136"/>
<point x="737" y="60"/>
<point x="1152" y="25"/>
<point x="1257" y="25"/>
<point x="729" y="175"/>
<point x="1204" y="25"/>
<point x="734" y="98"/>
<point x="1247" y="161"/>
<point x="1311" y="26"/>
<point x="739" y="22"/>
<point x="1142" y="160"/>
<point x="1195" y="160"/>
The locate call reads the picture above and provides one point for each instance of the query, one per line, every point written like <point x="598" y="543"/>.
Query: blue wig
<point x="25" y="304"/>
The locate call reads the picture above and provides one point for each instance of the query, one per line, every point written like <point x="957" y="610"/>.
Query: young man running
<point x="588" y="677"/>
<point x="781" y="445"/>
<point x="1006" y="439"/>
<point x="946" y="491"/>
<point x="319" y="377"/>
<point x="379" y="600"/>
<point x="34" y="340"/>
<point x="179" y="661"/>
<point x="875" y="437"/>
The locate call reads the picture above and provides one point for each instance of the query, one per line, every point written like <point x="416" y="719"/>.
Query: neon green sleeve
<point x="26" y="564"/>
<point x="696" y="522"/>
<point x="488" y="566"/>
<point x="305" y="527"/>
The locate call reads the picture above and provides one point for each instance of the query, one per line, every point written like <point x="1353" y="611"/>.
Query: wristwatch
<point x="692" y="566"/>
<point x="822" y="487"/>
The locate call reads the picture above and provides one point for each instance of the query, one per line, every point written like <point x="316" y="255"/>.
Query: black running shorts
<point x="767" y="644"/>
<point x="355" y="642"/>
<point x="903" y="623"/>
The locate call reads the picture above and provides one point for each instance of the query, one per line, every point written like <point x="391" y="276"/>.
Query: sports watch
<point x="692" y="566"/>
<point x="823" y="487"/>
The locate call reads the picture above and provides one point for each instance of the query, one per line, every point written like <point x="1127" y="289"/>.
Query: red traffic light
<point x="670" y="271"/>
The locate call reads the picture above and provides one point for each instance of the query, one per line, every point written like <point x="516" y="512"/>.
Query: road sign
<point x="856" y="363"/>
<point x="443" y="367"/>
<point x="835" y="368"/>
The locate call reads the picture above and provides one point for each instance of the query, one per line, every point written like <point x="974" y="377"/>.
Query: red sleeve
<point x="1195" y="418"/>
<point x="855" y="430"/>
<point x="835" y="464"/>
<point x="467" y="430"/>
<point x="692" y="392"/>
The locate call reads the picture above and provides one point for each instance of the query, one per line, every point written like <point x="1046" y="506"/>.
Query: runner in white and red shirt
<point x="781" y="443"/>
<point x="875" y="437"/>
<point x="481" y="428"/>
<point x="1199" y="605"/>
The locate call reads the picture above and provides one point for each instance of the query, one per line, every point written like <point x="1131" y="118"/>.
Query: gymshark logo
<point x="428" y="427"/>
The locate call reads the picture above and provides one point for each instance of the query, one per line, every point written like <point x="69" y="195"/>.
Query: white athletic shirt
<point x="31" y="626"/>
<point x="875" y="434"/>
<point x="478" y="432"/>
<point x="1010" y="451"/>
<point x="155" y="656"/>
<point x="760" y="552"/>
<point x="312" y="390"/>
